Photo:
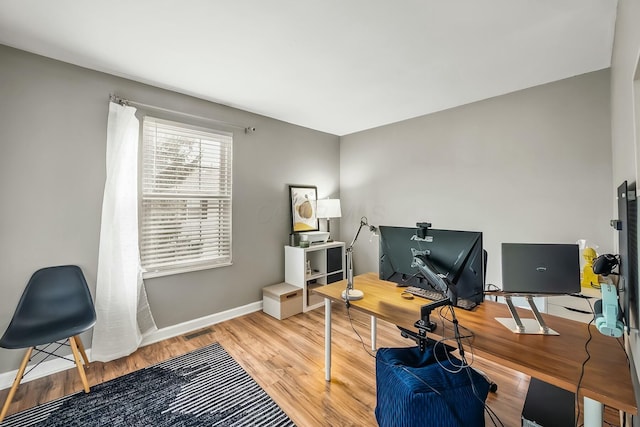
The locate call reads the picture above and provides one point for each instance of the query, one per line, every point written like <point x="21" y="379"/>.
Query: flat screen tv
<point x="628" y="247"/>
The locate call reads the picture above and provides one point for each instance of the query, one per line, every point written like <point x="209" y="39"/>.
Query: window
<point x="186" y="198"/>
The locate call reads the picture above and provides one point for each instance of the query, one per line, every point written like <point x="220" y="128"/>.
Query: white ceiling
<point x="338" y="66"/>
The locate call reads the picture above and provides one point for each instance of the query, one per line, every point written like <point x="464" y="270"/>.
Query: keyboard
<point x="434" y="295"/>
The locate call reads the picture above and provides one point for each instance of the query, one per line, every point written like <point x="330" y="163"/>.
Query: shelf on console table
<point x="327" y="262"/>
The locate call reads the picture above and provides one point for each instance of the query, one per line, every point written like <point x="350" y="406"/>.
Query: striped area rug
<point x="203" y="388"/>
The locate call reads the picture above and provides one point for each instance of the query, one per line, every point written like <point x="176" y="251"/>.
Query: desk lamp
<point x="327" y="209"/>
<point x="351" y="294"/>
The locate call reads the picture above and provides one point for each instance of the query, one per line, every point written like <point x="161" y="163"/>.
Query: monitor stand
<point x="517" y="325"/>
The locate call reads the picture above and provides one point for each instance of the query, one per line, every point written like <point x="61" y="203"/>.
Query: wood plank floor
<point x="286" y="357"/>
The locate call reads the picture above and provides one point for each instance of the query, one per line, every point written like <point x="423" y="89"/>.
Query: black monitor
<point x="456" y="256"/>
<point x="540" y="268"/>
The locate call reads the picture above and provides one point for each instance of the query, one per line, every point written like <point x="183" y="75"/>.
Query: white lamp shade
<point x="328" y="208"/>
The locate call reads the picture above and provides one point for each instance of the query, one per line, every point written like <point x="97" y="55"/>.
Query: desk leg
<point x="327" y="339"/>
<point x="374" y="332"/>
<point x="592" y="413"/>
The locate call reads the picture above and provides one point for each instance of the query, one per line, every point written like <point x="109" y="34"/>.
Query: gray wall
<point x="53" y="119"/>
<point x="625" y="118"/>
<point x="623" y="67"/>
<point x="530" y="166"/>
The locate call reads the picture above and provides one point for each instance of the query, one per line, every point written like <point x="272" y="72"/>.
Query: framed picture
<point x="302" y="199"/>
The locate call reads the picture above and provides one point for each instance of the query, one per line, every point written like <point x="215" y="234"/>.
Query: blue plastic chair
<point x="55" y="307"/>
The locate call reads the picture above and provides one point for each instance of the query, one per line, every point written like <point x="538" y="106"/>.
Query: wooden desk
<point x="556" y="360"/>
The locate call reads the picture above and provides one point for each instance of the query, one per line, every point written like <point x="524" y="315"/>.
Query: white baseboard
<point x="57" y="365"/>
<point x="202" y="322"/>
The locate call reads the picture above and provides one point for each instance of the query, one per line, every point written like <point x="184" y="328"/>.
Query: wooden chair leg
<point x="16" y="383"/>
<point x="81" y="348"/>
<point x="76" y="357"/>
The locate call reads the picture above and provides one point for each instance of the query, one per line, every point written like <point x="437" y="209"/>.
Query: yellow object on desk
<point x="589" y="278"/>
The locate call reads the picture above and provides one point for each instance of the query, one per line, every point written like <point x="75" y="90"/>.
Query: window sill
<point x="186" y="269"/>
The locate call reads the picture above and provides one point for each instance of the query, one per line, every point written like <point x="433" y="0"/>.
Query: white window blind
<point x="186" y="198"/>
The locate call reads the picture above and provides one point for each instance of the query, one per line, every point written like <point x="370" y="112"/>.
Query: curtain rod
<point x="127" y="102"/>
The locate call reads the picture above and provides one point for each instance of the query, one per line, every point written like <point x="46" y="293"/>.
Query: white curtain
<point x="123" y="313"/>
